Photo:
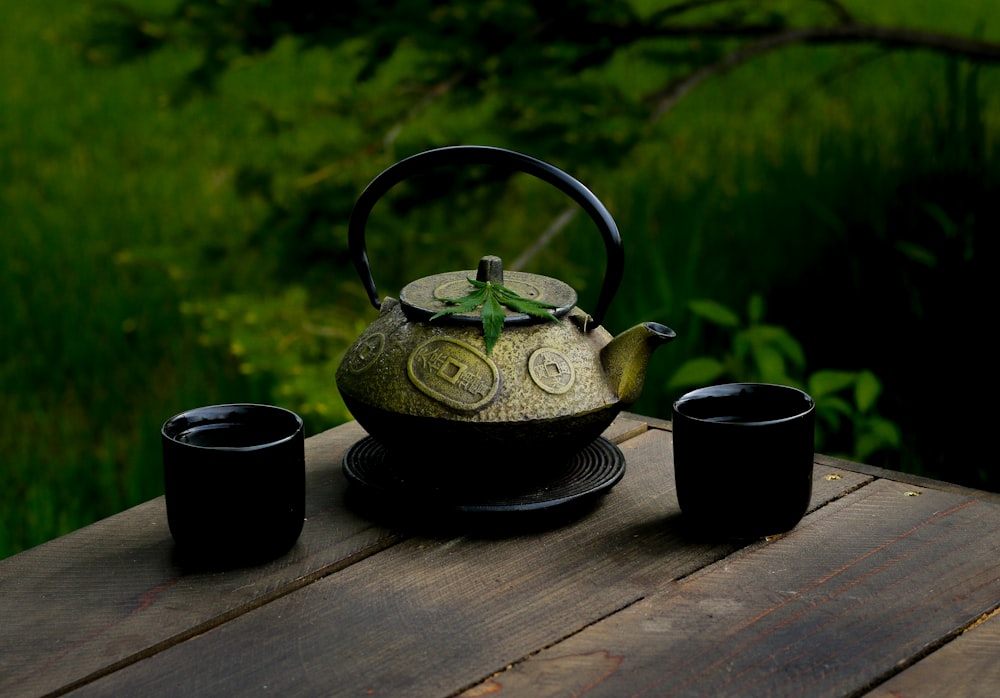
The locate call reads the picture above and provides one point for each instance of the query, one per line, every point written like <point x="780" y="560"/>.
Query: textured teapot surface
<point x="442" y="371"/>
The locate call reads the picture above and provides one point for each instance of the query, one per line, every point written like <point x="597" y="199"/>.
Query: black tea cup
<point x="234" y="478"/>
<point x="743" y="459"/>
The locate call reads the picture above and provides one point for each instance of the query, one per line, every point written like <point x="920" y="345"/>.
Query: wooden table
<point x="889" y="587"/>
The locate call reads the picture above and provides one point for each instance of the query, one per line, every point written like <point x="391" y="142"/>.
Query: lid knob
<point x="490" y="269"/>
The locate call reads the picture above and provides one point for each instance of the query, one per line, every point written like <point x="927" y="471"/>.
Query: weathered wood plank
<point x="969" y="667"/>
<point x="625" y="427"/>
<point x="110" y="593"/>
<point x="909" y="478"/>
<point x="431" y="616"/>
<point x="860" y="586"/>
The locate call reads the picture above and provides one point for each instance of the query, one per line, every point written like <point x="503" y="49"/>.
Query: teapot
<point x="425" y="375"/>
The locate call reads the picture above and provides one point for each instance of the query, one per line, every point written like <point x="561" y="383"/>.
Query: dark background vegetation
<point x="805" y="191"/>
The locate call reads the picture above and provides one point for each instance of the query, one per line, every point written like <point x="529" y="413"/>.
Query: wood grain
<point x="968" y="666"/>
<point x="862" y="586"/>
<point x="435" y="615"/>
<point x="111" y="593"/>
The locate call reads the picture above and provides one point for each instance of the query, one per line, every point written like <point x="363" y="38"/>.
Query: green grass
<point x="136" y="281"/>
<point x="101" y="191"/>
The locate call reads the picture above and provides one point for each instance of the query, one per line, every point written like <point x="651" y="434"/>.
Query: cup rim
<point x="734" y="390"/>
<point x="170" y="434"/>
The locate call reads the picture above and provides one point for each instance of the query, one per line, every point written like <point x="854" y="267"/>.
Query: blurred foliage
<point x="280" y="337"/>
<point x="572" y="80"/>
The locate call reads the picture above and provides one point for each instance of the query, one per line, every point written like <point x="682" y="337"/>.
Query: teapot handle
<point x="487" y="155"/>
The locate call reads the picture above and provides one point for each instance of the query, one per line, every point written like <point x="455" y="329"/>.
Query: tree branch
<point x="888" y="37"/>
<point x="555" y="227"/>
<point x="838" y="10"/>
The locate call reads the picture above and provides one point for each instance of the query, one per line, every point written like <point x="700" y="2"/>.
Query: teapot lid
<point x="425" y="297"/>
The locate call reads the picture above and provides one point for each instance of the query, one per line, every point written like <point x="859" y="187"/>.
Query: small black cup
<point x="743" y="459"/>
<point x="234" y="479"/>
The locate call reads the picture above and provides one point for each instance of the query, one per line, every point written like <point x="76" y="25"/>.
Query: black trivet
<point x="585" y="475"/>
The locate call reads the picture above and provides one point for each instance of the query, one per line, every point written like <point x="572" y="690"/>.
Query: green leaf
<point x="493" y="317"/>
<point x="493" y="297"/>
<point x="742" y="344"/>
<point x="878" y="433"/>
<point x="525" y="305"/>
<point x="714" y="312"/>
<point x="831" y="418"/>
<point x="831" y="404"/>
<point x="762" y="334"/>
<point x="828" y="382"/>
<point x="778" y="339"/>
<point x="770" y="363"/>
<point x="864" y="446"/>
<point x="700" y="371"/>
<point x="791" y="348"/>
<point x="917" y="253"/>
<point x="465" y="304"/>
<point x="755" y="309"/>
<point x="948" y="225"/>
<point x="866" y="391"/>
<point x="886" y="430"/>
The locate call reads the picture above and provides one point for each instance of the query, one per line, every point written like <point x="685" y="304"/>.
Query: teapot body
<point x="541" y="389"/>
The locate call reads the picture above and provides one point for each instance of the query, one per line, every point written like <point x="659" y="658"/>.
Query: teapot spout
<point x="626" y="357"/>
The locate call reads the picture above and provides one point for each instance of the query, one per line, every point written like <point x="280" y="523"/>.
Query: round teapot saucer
<point x="585" y="475"/>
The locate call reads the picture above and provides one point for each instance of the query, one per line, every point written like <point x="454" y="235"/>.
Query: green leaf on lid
<point x="493" y="298"/>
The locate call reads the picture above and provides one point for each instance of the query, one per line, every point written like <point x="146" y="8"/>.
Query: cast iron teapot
<point x="503" y="368"/>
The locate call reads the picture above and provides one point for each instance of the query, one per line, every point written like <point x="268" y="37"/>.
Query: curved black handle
<point x="487" y="155"/>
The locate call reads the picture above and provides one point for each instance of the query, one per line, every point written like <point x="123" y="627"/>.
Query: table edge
<point x="856" y="467"/>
